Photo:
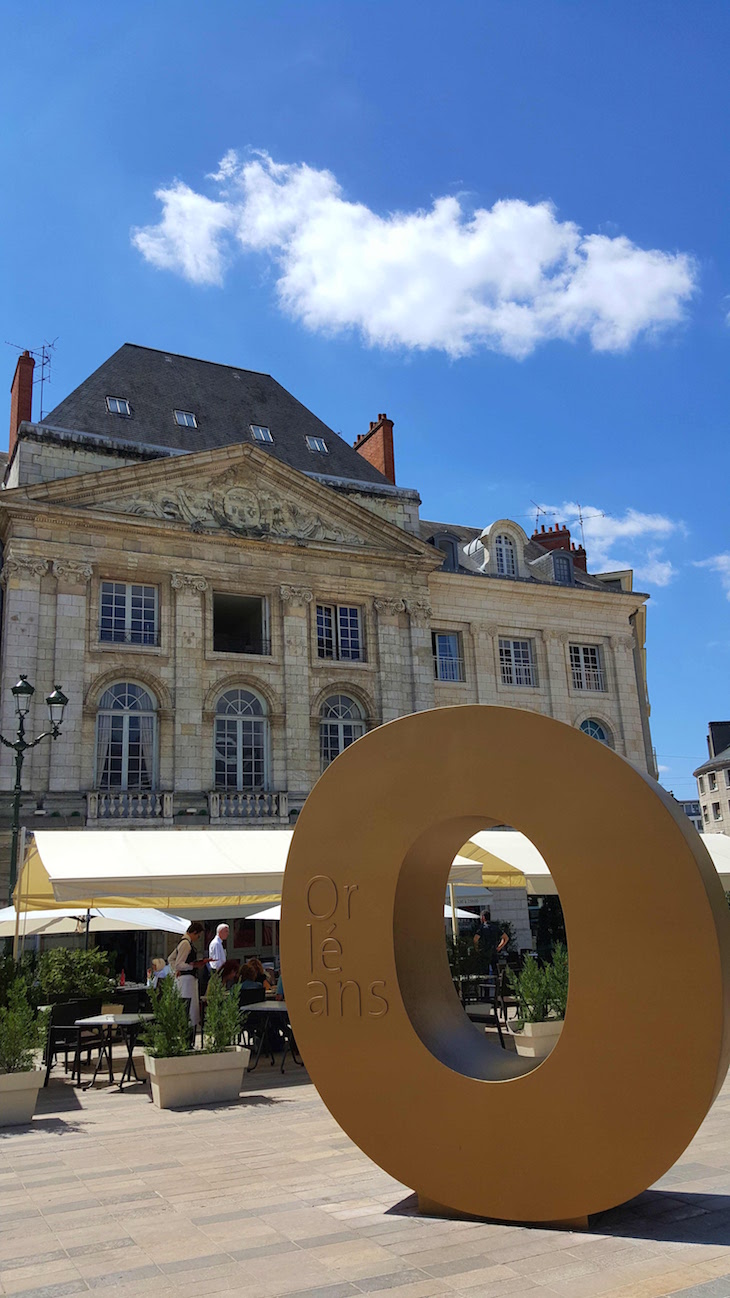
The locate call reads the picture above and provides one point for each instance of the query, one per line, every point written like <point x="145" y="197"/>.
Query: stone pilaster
<point x="558" y="667"/>
<point x="484" y="637"/>
<point x="21" y="579"/>
<point x="630" y="741"/>
<point x="390" y="657"/>
<point x="63" y="759"/>
<point x="420" y="613"/>
<point x="181" y="768"/>
<point x="295" y="614"/>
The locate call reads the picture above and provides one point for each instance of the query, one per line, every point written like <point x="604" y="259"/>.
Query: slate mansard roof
<point x="225" y="401"/>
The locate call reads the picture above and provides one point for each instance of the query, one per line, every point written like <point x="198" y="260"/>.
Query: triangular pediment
<point x="238" y="490"/>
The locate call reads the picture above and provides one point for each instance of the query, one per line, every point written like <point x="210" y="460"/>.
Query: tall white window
<point x="448" y="659"/>
<point x="129" y="613"/>
<point x="506" y="557"/>
<point x="597" y="730"/>
<point x="339" y="632"/>
<point x="126" y="738"/>
<point x="516" y="662"/>
<point x="587" y="668"/>
<point x="341" y="723"/>
<point x="241" y="741"/>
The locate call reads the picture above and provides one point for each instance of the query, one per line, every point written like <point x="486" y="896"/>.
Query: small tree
<point x="530" y="988"/>
<point x="21" y="1032"/>
<point x="168" y="1035"/>
<point x="221" y="1015"/>
<point x="556" y="977"/>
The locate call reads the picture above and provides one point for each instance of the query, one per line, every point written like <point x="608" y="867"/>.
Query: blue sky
<point x="504" y="224"/>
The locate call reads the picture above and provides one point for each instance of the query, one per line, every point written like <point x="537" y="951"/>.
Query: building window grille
<point x="448" y="660"/>
<point x="587" y="669"/>
<point x="339" y="632"/>
<point x="126" y="738"/>
<point x="240" y="624"/>
<point x="118" y="406"/>
<point x="341" y="723"/>
<point x="129" y="614"/>
<point x="186" y="419"/>
<point x="597" y="730"/>
<point x="516" y="662"/>
<point x="260" y="433"/>
<point x="241" y="742"/>
<point x="506" y="556"/>
<point x="317" y="444"/>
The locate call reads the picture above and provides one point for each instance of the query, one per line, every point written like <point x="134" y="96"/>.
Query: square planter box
<point x="18" y="1094"/>
<point x="536" y="1040"/>
<point x="188" y="1080"/>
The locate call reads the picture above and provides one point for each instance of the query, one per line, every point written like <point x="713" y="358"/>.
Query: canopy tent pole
<point x="86" y="930"/>
<point x="454" y="917"/>
<point x="21" y="858"/>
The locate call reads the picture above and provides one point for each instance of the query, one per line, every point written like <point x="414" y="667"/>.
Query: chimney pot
<point x="376" y="446"/>
<point x="21" y="397"/>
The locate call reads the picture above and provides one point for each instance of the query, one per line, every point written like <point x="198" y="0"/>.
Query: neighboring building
<point x="713" y="780"/>
<point x="692" y="811"/>
<point x="230" y="594"/>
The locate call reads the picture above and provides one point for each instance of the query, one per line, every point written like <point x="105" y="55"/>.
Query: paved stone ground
<point x="268" y="1197"/>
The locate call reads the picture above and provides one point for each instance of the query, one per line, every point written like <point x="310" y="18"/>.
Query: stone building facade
<point x="713" y="780"/>
<point x="230" y="600"/>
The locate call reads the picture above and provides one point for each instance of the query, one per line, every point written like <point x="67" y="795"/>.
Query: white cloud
<point x="504" y="278"/>
<point x="719" y="563"/>
<point x="640" y="536"/>
<point x="662" y="770"/>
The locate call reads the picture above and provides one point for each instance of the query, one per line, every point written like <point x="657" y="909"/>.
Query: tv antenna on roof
<point x="43" y="355"/>
<point x="540" y="509"/>
<point x="597" y="513"/>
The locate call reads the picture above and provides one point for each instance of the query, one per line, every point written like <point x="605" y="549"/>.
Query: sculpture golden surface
<point x="645" y="1045"/>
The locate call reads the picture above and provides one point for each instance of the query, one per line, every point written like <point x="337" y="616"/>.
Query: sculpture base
<point x="429" y="1208"/>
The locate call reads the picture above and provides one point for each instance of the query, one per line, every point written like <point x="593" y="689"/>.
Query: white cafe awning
<point x="52" y="923"/>
<point x="274" y="912"/>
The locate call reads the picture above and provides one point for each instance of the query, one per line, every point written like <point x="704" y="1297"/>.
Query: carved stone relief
<point x="22" y="566"/>
<point x="189" y="581"/>
<point x="389" y="607"/>
<point x="71" y="570"/>
<point x="420" y="612"/>
<point x="296" y="595"/>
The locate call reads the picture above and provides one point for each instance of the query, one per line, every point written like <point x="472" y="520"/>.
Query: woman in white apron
<point x="184" y="964"/>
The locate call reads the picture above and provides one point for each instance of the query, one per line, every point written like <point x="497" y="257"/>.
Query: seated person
<point x="158" y="969"/>
<point x="230" y="973"/>
<point x="249" y="981"/>
<point x="280" y="989"/>
<point x="259" y="973"/>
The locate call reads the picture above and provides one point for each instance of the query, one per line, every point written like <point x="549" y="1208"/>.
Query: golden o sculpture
<point x="645" y="1044"/>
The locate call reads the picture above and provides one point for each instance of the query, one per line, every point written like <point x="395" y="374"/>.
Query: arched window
<point x="241" y="741"/>
<point x="341" y="723"/>
<point x="598" y="731"/>
<point x="450" y="549"/>
<point x="126" y="738"/>
<point x="504" y="549"/>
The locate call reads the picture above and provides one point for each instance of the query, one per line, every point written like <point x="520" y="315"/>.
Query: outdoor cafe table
<point x="129" y="1025"/>
<point x="268" y="1012"/>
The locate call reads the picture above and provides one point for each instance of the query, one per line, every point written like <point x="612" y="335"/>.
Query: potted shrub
<point x="180" y="1076"/>
<point x="67" y="973"/>
<point x="542" y="993"/>
<point x="22" y="1035"/>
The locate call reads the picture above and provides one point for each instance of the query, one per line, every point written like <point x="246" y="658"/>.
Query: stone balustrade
<point x="143" y="804"/>
<point x="248" y="806"/>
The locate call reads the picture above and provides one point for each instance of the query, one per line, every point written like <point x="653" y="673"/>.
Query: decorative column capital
<point x="420" y="612"/>
<point x="22" y="566"/>
<point x="622" y="641"/>
<point x="296" y="595"/>
<point x="552" y="636"/>
<point x="188" y="581"/>
<point x="389" y="607"/>
<point x="72" y="570"/>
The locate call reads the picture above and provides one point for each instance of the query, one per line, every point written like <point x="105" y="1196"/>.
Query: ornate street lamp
<point x="23" y="693"/>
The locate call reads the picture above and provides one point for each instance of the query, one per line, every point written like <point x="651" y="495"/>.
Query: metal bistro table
<point x="267" y="1012"/>
<point x="129" y="1025"/>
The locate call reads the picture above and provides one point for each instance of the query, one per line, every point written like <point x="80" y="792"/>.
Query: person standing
<point x="217" y="949"/>
<point x="489" y="939"/>
<point x="184" y="964"/>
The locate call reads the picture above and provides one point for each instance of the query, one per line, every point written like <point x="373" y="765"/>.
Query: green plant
<point x="556" y="978"/>
<point x="530" y="988"/>
<point x="550" y="927"/>
<point x="221" y="1015"/>
<point x="66" y="972"/>
<point x="21" y="1031"/>
<point x="168" y="1035"/>
<point x="25" y="971"/>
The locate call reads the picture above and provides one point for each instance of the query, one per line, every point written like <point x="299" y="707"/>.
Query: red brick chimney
<point x="376" y="446"/>
<point x="21" y="397"/>
<point x="558" y="538"/>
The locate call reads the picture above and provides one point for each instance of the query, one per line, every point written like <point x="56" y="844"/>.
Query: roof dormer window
<point x="450" y="549"/>
<point x="563" y="569"/>
<point x="186" y="419"/>
<point x="505" y="554"/>
<point x="260" y="433"/>
<point x="317" y="444"/>
<point x="118" y="406"/>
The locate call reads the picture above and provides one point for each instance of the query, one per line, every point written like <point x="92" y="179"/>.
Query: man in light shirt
<point x="217" y="949"/>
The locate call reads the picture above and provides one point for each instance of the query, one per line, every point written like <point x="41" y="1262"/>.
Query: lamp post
<point x="23" y="692"/>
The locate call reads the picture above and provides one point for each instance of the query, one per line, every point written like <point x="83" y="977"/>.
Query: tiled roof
<point x="533" y="550"/>
<point x="717" y="763"/>
<point x="225" y="401"/>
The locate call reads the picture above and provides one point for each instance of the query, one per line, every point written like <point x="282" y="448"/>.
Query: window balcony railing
<point x="448" y="669"/>
<point x="230" y="805"/>
<point x="109" y="635"/>
<point x="589" y="678"/>
<point x="139" y="804"/>
<point x="238" y="644"/>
